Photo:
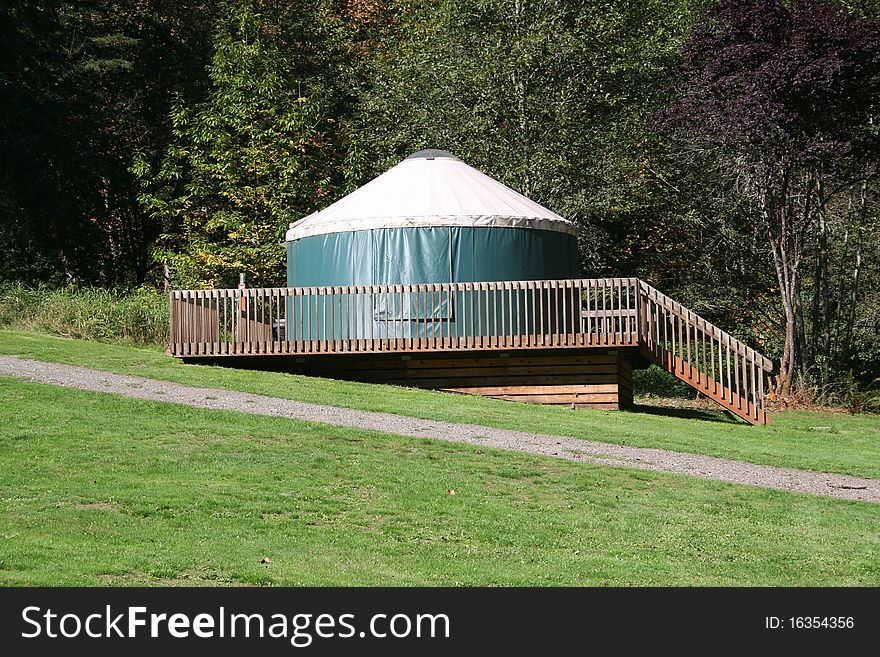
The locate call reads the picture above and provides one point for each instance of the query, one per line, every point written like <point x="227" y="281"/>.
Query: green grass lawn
<point x="818" y="441"/>
<point x="100" y="489"/>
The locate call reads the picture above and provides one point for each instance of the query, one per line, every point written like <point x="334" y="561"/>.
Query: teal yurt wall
<point x="431" y="254"/>
<point x="430" y="219"/>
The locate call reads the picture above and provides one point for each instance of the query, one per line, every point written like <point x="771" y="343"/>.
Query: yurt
<point x="436" y="276"/>
<point x="429" y="219"/>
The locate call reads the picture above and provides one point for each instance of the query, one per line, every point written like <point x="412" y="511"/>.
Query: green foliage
<point x="655" y="382"/>
<point x="190" y="134"/>
<point x="776" y="108"/>
<point x="865" y="400"/>
<point x="546" y="97"/>
<point x="254" y="156"/>
<point x="83" y="85"/>
<point x="853" y="395"/>
<point x="139" y="317"/>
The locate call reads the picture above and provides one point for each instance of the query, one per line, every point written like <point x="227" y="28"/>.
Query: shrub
<point x="655" y="382"/>
<point x="857" y="396"/>
<point x="138" y="317"/>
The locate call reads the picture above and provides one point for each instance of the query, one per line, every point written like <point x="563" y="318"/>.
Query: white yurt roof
<point x="430" y="188"/>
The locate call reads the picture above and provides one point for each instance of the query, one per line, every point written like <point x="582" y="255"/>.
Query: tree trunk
<point x="786" y="260"/>
<point x="787" y="362"/>
<point x="846" y="347"/>
<point x="820" y="333"/>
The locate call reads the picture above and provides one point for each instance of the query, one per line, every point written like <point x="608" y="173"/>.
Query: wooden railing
<point x="579" y="313"/>
<point x="374" y="318"/>
<point x="701" y="354"/>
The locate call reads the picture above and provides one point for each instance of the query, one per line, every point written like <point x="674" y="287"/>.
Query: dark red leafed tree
<point x="782" y="99"/>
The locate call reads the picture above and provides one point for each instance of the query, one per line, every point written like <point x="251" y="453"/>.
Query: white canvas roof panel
<point x="430" y="188"/>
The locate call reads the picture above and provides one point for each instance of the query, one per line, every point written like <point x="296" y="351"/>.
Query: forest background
<point x="727" y="152"/>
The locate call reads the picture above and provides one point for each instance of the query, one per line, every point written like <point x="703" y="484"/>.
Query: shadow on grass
<point x="686" y="413"/>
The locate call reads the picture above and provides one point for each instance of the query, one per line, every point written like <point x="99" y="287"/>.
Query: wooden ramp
<point x="699" y="353"/>
<point x="557" y="342"/>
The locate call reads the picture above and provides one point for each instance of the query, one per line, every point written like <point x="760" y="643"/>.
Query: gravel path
<point x="658" y="460"/>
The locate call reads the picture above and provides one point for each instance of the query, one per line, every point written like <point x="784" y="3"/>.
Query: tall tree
<point x="134" y="58"/>
<point x="43" y="226"/>
<point x="83" y="84"/>
<point x="545" y="96"/>
<point x="782" y="102"/>
<point x="254" y="156"/>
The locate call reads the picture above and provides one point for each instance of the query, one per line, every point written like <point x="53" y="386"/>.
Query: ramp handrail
<point x="706" y="357"/>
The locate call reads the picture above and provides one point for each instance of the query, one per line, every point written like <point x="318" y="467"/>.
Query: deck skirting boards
<point x="592" y="378"/>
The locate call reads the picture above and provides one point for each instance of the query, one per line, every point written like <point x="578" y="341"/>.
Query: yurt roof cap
<point x="431" y="154"/>
<point x="430" y="188"/>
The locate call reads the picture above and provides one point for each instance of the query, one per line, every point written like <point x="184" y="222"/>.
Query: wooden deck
<point x="563" y="342"/>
